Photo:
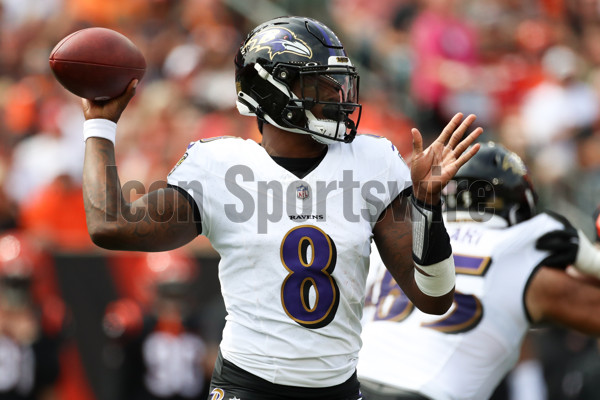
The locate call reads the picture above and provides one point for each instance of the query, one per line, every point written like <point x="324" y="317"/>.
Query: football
<point x="96" y="63"/>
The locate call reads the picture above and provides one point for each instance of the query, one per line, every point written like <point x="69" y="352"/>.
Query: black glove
<point x="563" y="246"/>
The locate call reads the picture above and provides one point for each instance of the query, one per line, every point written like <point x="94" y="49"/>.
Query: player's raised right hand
<point x="110" y="109"/>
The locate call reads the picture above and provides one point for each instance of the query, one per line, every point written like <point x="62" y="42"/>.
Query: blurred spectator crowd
<point x="530" y="70"/>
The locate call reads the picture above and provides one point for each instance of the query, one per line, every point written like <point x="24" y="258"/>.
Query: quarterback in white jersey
<point x="327" y="217"/>
<point x="502" y="277"/>
<point x="293" y="217"/>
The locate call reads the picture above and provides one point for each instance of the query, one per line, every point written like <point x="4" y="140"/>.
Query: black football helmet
<point x="495" y="181"/>
<point x="289" y="67"/>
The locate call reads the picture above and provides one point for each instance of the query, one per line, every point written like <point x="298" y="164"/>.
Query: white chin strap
<point x="326" y="127"/>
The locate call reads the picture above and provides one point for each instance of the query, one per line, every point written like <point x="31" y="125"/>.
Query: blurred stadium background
<point x="530" y="70"/>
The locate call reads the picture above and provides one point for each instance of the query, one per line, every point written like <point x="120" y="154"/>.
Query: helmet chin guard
<point x="330" y="131"/>
<point x="293" y="73"/>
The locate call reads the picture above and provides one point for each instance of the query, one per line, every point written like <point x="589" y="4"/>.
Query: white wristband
<point x="588" y="256"/>
<point x="440" y="277"/>
<point x="102" y="128"/>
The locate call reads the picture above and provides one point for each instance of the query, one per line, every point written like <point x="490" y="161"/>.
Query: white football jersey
<point x="465" y="353"/>
<point x="294" y="252"/>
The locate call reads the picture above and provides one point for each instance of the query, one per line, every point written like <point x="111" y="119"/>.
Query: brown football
<point x="97" y="63"/>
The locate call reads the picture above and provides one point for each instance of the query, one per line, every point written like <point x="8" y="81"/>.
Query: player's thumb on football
<point x="124" y="99"/>
<point x="130" y="92"/>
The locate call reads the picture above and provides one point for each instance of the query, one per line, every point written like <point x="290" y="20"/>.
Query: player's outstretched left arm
<point x="565" y="299"/>
<point x="566" y="289"/>
<point x="411" y="236"/>
<point x="160" y="220"/>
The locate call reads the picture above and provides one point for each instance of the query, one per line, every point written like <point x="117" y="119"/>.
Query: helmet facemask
<point x="327" y="103"/>
<point x="310" y="99"/>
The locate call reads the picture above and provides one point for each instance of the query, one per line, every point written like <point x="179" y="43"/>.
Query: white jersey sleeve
<point x="466" y="352"/>
<point x="294" y="252"/>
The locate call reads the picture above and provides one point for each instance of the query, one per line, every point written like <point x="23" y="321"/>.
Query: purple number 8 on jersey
<point x="309" y="255"/>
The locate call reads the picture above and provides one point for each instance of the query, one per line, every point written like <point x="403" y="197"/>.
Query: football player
<point x="292" y="217"/>
<point x="163" y="353"/>
<point x="32" y="321"/>
<point x="512" y="274"/>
